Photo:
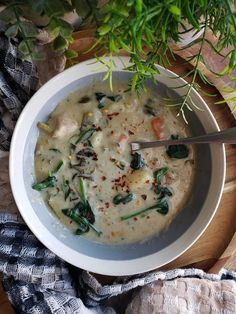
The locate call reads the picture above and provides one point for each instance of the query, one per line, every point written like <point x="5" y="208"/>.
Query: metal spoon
<point x="227" y="136"/>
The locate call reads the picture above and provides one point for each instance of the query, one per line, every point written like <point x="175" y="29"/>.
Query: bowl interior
<point x="180" y="224"/>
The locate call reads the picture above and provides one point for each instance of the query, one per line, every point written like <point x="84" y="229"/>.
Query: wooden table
<point x="218" y="242"/>
<point x="216" y="247"/>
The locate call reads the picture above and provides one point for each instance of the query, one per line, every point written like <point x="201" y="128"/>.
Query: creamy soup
<point x="91" y="180"/>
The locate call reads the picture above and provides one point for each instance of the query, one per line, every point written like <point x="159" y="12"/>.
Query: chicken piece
<point x="65" y="126"/>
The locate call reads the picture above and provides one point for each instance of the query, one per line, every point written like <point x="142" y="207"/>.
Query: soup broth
<point x="91" y="180"/>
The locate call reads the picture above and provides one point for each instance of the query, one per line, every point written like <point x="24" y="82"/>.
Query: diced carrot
<point x="158" y="126"/>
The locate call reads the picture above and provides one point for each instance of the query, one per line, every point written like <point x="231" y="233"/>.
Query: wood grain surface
<point x="213" y="243"/>
<point x="216" y="247"/>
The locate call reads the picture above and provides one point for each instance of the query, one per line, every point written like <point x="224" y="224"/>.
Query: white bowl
<point x="114" y="259"/>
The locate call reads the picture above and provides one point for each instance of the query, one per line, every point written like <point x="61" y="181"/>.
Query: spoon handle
<point x="227" y="136"/>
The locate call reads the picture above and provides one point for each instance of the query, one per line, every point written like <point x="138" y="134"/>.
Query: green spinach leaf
<point x="85" y="135"/>
<point x="159" y="173"/>
<point x="115" y="98"/>
<point x="66" y="189"/>
<point x="124" y="199"/>
<point x="161" y="207"/>
<point x="162" y="191"/>
<point x="75" y="215"/>
<point x="177" y="151"/>
<point x="137" y="162"/>
<point x="101" y="98"/>
<point x="149" y="108"/>
<point x="49" y="182"/>
<point x="55" y="150"/>
<point x="58" y="167"/>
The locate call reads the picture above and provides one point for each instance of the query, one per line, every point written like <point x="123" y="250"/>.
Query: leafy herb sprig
<point x="132" y="25"/>
<point x="142" y="28"/>
<point x="53" y="10"/>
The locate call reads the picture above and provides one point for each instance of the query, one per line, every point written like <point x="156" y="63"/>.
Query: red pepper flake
<point x="135" y="218"/>
<point x="144" y="197"/>
<point x="112" y="132"/>
<point x="70" y="221"/>
<point x="103" y="178"/>
<point x="147" y="181"/>
<point x="107" y="204"/>
<point x="130" y="132"/>
<point x="85" y="144"/>
<point x="113" y="114"/>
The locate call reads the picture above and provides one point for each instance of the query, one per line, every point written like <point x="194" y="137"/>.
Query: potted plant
<point x="146" y="30"/>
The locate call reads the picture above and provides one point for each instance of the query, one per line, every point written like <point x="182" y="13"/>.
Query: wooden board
<point x="218" y="243"/>
<point x="214" y="247"/>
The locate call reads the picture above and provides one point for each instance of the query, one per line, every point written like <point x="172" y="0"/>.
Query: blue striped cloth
<point x="39" y="282"/>
<point x="18" y="82"/>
